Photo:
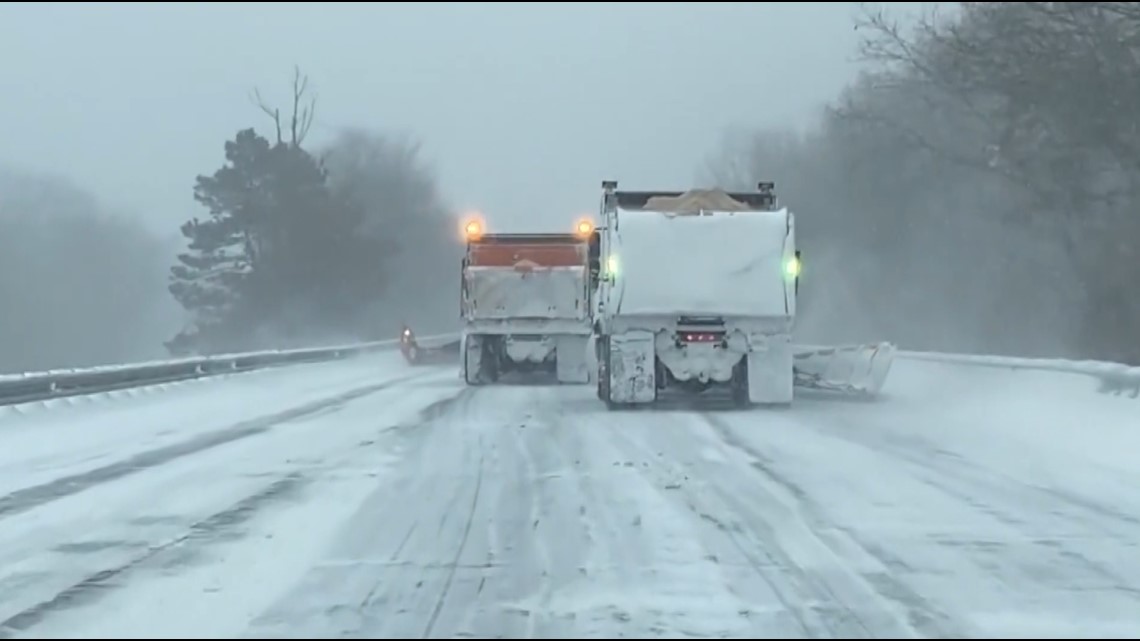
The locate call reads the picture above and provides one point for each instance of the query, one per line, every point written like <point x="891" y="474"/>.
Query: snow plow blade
<point x="859" y="370"/>
<point x="417" y="354"/>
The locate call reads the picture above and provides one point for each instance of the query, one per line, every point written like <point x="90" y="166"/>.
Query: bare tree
<point x="1044" y="95"/>
<point x="405" y="221"/>
<point x="986" y="156"/>
<point x="302" y="115"/>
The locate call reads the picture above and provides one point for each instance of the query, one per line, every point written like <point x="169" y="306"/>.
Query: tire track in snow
<point x="829" y="584"/>
<point x="921" y="616"/>
<point x="929" y="458"/>
<point x="374" y="586"/>
<point x="791" y="590"/>
<point x="31" y="497"/>
<point x="553" y="512"/>
<point x="454" y="566"/>
<point x="972" y="483"/>
<point x="200" y="533"/>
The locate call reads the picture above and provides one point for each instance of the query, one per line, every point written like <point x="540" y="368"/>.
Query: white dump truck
<point x="526" y="304"/>
<point x="696" y="290"/>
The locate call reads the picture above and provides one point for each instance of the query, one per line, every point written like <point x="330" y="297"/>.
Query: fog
<point x="79" y="284"/>
<point x="920" y="200"/>
<point x="532" y="106"/>
<point x="975" y="188"/>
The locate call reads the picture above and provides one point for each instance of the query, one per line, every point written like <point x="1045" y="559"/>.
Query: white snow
<point x="727" y="263"/>
<point x="968" y="502"/>
<point x="1040" y="423"/>
<point x="542" y="293"/>
<point x="44" y="441"/>
<point x="994" y="495"/>
<point x="1119" y="377"/>
<point x="339" y="455"/>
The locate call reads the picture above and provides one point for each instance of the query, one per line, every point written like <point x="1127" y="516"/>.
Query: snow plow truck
<point x="696" y="290"/>
<point x="525" y="304"/>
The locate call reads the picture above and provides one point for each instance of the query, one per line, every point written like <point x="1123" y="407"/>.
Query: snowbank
<point x="1115" y="378"/>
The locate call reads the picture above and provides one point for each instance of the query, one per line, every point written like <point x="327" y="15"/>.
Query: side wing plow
<point x="859" y="370"/>
<point x="419" y="354"/>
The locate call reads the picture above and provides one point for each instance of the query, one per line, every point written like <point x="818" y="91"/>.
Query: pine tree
<point x="214" y="279"/>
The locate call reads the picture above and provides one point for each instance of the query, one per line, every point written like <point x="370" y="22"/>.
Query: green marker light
<point x="792" y="267"/>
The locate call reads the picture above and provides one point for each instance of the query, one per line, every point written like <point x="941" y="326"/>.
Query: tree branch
<point x="273" y="113"/>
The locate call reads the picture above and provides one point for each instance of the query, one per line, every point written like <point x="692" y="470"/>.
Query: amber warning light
<point x="585" y="227"/>
<point x="473" y="229"/>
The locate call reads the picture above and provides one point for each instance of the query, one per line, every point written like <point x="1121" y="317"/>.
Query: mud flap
<point x="631" y="368"/>
<point x="571" y="358"/>
<point x="855" y="369"/>
<point x="770" y="372"/>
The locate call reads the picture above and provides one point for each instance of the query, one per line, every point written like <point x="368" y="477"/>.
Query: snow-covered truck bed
<point x="729" y="262"/>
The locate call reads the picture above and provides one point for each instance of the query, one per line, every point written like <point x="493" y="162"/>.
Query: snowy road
<point x="366" y="500"/>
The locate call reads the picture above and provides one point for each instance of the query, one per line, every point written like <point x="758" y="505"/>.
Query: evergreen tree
<point x="214" y="278"/>
<point x="288" y="257"/>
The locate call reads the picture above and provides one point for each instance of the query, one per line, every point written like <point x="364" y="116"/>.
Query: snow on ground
<point x="968" y="503"/>
<point x="52" y="545"/>
<point x="40" y="441"/>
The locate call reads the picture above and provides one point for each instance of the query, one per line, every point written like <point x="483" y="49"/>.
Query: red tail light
<point x="699" y="337"/>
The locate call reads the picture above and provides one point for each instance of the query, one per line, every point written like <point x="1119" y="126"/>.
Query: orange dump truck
<point x="525" y="305"/>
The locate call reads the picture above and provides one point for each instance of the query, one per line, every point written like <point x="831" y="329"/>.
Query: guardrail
<point x="38" y="386"/>
<point x="1115" y="378"/>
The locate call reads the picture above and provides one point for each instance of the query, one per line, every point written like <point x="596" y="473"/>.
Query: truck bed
<point x="495" y="293"/>
<point x="722" y="263"/>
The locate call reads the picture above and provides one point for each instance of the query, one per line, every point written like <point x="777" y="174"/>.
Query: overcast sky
<point x="522" y="109"/>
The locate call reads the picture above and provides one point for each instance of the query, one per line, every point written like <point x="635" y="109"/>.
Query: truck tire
<point x="739" y="384"/>
<point x="604" y="390"/>
<point x="602" y="351"/>
<point x="487" y="370"/>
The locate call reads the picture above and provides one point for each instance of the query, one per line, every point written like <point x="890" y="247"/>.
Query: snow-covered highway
<point x="365" y="499"/>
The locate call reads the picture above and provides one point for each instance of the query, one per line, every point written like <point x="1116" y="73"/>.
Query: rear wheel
<point x="471" y="371"/>
<point x="739" y="384"/>
<point x="602" y="351"/>
<point x="485" y="369"/>
<point x="491" y="366"/>
<point x="605" y="389"/>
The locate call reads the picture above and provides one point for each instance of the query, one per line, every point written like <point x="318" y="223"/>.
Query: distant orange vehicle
<point x="525" y="304"/>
